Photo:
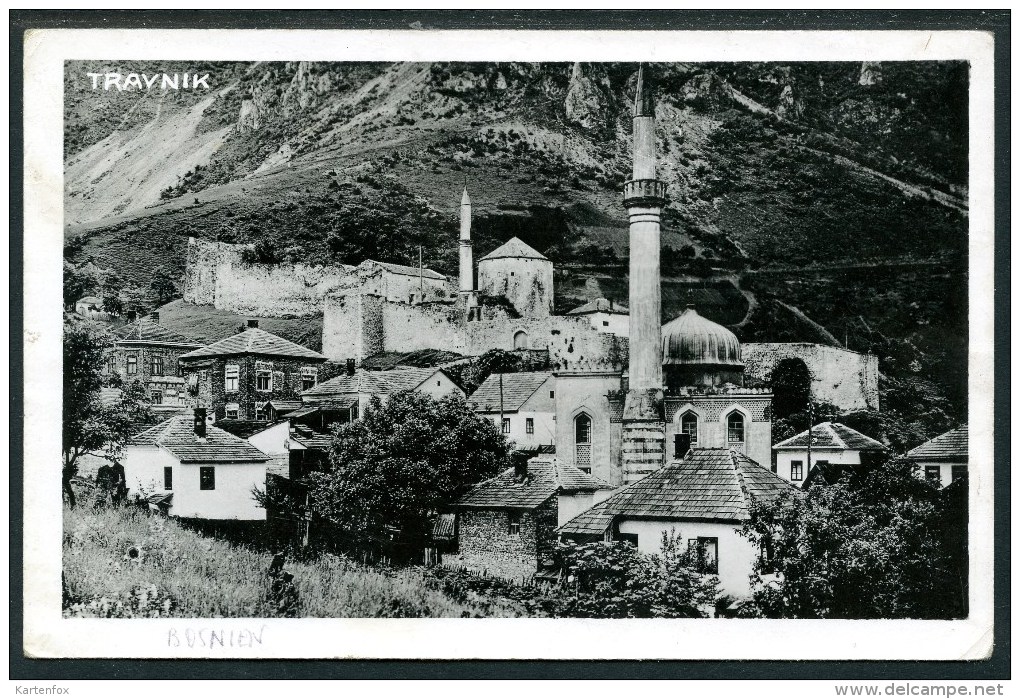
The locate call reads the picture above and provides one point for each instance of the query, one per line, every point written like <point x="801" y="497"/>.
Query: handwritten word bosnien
<point x="215" y="638"/>
<point x="142" y="81"/>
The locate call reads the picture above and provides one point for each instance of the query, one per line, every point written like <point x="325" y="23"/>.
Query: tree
<point x="163" y="285"/>
<point x="614" y="580"/>
<point x="402" y="460"/>
<point x="89" y="427"/>
<point x="869" y="546"/>
<point x="472" y="374"/>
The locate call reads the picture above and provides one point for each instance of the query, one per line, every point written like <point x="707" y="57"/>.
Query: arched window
<point x="582" y="442"/>
<point x="689" y="426"/>
<point x="520" y="340"/>
<point x="735" y="430"/>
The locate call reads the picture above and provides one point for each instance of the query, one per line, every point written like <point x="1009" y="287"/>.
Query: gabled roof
<point x="517" y="389"/>
<point x="177" y="436"/>
<point x="310" y="438"/>
<point x="372" y="382"/>
<point x="951" y="446"/>
<point x="599" y="306"/>
<point x="283" y="407"/>
<point x="246" y="428"/>
<point x="515" y="247"/>
<point x="89" y="299"/>
<point x="255" y="341"/>
<point x="404" y="269"/>
<point x="709" y="484"/>
<point x="144" y="330"/>
<point x="832" y="435"/>
<point x="544" y="479"/>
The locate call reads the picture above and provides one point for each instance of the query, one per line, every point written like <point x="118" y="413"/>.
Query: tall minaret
<point x="644" y="197"/>
<point x="467" y="272"/>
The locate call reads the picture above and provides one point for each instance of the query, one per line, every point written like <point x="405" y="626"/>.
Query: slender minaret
<point x="467" y="275"/>
<point x="644" y="197"/>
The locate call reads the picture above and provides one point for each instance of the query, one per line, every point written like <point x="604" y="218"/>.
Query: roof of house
<point x="544" y="479"/>
<point x="599" y="306"/>
<point x="310" y="438"/>
<point x="246" y="428"/>
<point x="445" y="527"/>
<point x="708" y="484"/>
<point x="515" y="247"/>
<point x="89" y="299"/>
<point x="177" y="436"/>
<point x="416" y="358"/>
<point x="144" y="330"/>
<point x="373" y="382"/>
<point x="404" y="269"/>
<point x="832" y="435"/>
<point x="254" y="341"/>
<point x="951" y="446"/>
<point x="283" y="407"/>
<point x="517" y="389"/>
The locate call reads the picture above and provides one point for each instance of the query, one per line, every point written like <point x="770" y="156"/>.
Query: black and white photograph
<point x="580" y="340"/>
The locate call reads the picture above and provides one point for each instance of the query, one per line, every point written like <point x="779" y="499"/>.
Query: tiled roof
<point x="709" y="484"/>
<point x="416" y="358"/>
<point x="951" y="446"/>
<point x="89" y="299"/>
<point x="283" y="407"/>
<point x="311" y="438"/>
<point x="245" y="428"/>
<point x="372" y="382"/>
<point x="404" y="269"/>
<point x="445" y="527"/>
<point x="832" y="435"/>
<point x="144" y="330"/>
<point x="544" y="479"/>
<point x="515" y="247"/>
<point x="599" y="306"/>
<point x="177" y="436"/>
<point x="517" y="389"/>
<point x="255" y="341"/>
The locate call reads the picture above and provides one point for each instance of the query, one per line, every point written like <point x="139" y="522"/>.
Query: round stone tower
<point x="521" y="274"/>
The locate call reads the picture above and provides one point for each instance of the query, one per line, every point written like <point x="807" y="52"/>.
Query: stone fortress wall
<point x="526" y="282"/>
<point x="840" y="376"/>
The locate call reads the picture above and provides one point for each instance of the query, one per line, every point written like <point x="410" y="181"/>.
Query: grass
<point x="179" y="573"/>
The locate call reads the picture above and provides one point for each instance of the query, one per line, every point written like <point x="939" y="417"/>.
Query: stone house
<point x="506" y="526"/>
<point x="605" y="316"/>
<point x="354" y="390"/>
<point x="832" y="443"/>
<point x="238" y="376"/>
<point x="943" y="458"/>
<point x="522" y="405"/>
<point x="199" y="470"/>
<point x="702" y="499"/>
<point x="148" y="352"/>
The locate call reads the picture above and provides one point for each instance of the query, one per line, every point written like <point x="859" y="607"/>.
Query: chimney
<point x="200" y="424"/>
<point x="520" y="467"/>
<point x="154" y="317"/>
<point x="131" y="315"/>
<point x="683" y="445"/>
<point x="253" y="322"/>
<point x="350" y="367"/>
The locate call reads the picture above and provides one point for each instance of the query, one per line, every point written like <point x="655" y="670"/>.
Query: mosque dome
<point x="696" y="351"/>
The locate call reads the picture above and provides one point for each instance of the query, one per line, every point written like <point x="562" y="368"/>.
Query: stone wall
<point x="485" y="544"/>
<point x="526" y="283"/>
<point x="210" y="381"/>
<point x="842" y="377"/>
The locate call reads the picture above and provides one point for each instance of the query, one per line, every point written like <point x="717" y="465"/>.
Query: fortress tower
<point x="644" y="196"/>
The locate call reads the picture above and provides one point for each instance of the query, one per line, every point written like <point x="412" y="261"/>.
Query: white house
<point x="271" y="438"/>
<point x="831" y="443"/>
<point x="702" y="499"/>
<point x="356" y="389"/>
<point x="209" y="472"/>
<point x="943" y="458"/>
<point x="521" y="405"/>
<point x="605" y="316"/>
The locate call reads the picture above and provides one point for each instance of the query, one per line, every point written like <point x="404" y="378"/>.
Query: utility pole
<point x="501" y="403"/>
<point x="810" y="425"/>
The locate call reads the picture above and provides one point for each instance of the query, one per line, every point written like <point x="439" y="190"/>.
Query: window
<point x="796" y="470"/>
<point x="260" y="412"/>
<point x="959" y="473"/>
<point x="582" y="442"/>
<point x="231" y="373"/>
<point x="706" y="554"/>
<point x="111" y="364"/>
<point x="552" y="394"/>
<point x="308" y="377"/>
<point x="689" y="426"/>
<point x="263" y="376"/>
<point x="520" y="340"/>
<point x="631" y="539"/>
<point x="232" y="410"/>
<point x="735" y="430"/>
<point x="156" y="397"/>
<point x="207" y="478"/>
<point x="132" y="364"/>
<point x="157" y="366"/>
<point x="515" y="523"/>
<point x="933" y="473"/>
<point x="354" y="411"/>
<point x="605" y="323"/>
<point x="203" y="376"/>
<point x="529" y="425"/>
<point x="506" y="425"/>
<point x="168" y="478"/>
